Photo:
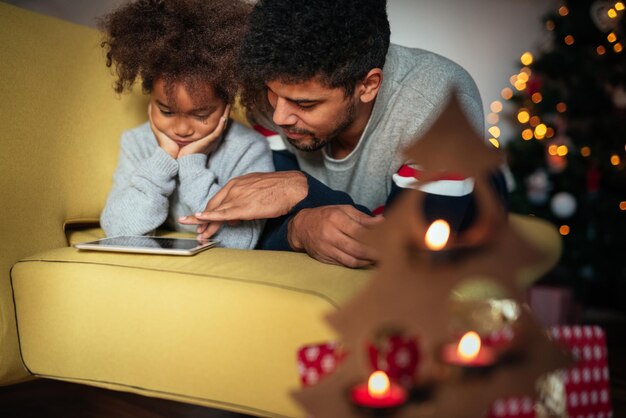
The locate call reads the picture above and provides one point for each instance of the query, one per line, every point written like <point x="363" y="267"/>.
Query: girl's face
<point x="178" y="117"/>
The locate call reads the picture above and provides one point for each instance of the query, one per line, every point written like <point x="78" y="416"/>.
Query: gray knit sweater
<point x="151" y="189"/>
<point x="415" y="87"/>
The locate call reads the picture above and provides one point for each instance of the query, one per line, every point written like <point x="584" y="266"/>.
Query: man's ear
<point x="370" y="85"/>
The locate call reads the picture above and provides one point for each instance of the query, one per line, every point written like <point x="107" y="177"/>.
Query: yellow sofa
<point x="219" y="329"/>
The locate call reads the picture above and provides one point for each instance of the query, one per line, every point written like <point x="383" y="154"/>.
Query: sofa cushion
<point x="220" y="328"/>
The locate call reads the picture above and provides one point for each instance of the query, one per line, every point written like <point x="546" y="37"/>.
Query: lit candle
<point x="469" y="352"/>
<point x="437" y="235"/>
<point x="378" y="393"/>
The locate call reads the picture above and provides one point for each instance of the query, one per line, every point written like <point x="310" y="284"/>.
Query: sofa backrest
<point x="60" y="127"/>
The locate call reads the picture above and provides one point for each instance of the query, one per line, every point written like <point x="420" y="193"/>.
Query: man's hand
<point x="163" y="140"/>
<point x="207" y="144"/>
<point x="248" y="197"/>
<point x="333" y="235"/>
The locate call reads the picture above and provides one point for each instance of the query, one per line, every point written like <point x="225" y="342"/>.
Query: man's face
<point x="181" y="118"/>
<point x="310" y="114"/>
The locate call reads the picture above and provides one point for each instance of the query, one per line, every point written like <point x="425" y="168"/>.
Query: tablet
<point x="147" y="245"/>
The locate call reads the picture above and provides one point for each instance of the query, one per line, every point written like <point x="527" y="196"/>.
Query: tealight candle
<point x="378" y="393"/>
<point x="436" y="241"/>
<point x="469" y="352"/>
<point x="437" y="235"/>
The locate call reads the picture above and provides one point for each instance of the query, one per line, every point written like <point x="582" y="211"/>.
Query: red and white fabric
<point x="447" y="184"/>
<point x="273" y="139"/>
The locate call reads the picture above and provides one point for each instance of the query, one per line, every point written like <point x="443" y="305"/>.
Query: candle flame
<point x="469" y="346"/>
<point x="437" y="235"/>
<point x="378" y="384"/>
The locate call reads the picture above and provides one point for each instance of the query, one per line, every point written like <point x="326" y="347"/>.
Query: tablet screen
<point x="162" y="245"/>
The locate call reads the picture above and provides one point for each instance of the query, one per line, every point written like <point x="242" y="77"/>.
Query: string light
<point x="561" y="107"/>
<point x="494" y="131"/>
<point x="601" y="50"/>
<point x="563" y="11"/>
<point x="536" y="97"/>
<point x="569" y="40"/>
<point x="527" y="134"/>
<point x="552" y="149"/>
<point x="612" y="13"/>
<point x="611" y="37"/>
<point x="496" y="106"/>
<point x="493" y="118"/>
<point x="564" y="230"/>
<point x="562" y="150"/>
<point x="615" y="160"/>
<point x="494" y="142"/>
<point x="520" y="85"/>
<point x="585" y="151"/>
<point x="506" y="93"/>
<point x="534" y="121"/>
<point x="523" y="116"/>
<point x="550" y="25"/>
<point x="622" y="205"/>
<point x="540" y="131"/>
<point x="526" y="58"/>
<point x="618" y="47"/>
<point x="550" y="133"/>
<point x="523" y="77"/>
<point x="619" y="6"/>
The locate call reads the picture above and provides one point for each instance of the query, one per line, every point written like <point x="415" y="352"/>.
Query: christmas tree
<point x="567" y="155"/>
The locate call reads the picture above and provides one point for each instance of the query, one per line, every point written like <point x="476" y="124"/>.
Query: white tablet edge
<point x="143" y="250"/>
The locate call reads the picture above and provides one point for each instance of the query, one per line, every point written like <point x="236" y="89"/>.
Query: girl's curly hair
<point x="185" y="41"/>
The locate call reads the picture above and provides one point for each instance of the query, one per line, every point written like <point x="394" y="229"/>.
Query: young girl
<point x="184" y="52"/>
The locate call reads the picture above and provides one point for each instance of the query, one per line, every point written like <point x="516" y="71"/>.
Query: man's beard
<point x="317" y="143"/>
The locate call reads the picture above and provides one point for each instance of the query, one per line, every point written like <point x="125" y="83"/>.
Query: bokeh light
<point x="494" y="131"/>
<point x="523" y="116"/>
<point x="527" y="134"/>
<point x="526" y="58"/>
<point x="615" y="160"/>
<point x="496" y="106"/>
<point x="493" y="118"/>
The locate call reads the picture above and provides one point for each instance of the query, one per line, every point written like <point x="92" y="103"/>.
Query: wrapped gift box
<point x="581" y="391"/>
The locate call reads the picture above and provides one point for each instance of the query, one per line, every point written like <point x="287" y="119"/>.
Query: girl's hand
<point x="207" y="144"/>
<point x="163" y="140"/>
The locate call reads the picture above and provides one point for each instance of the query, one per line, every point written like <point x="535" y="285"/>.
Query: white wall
<point x="486" y="37"/>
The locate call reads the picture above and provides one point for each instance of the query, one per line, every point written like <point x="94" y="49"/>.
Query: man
<point x="323" y="75"/>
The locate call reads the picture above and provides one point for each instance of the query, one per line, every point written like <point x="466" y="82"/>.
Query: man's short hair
<point x="335" y="41"/>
